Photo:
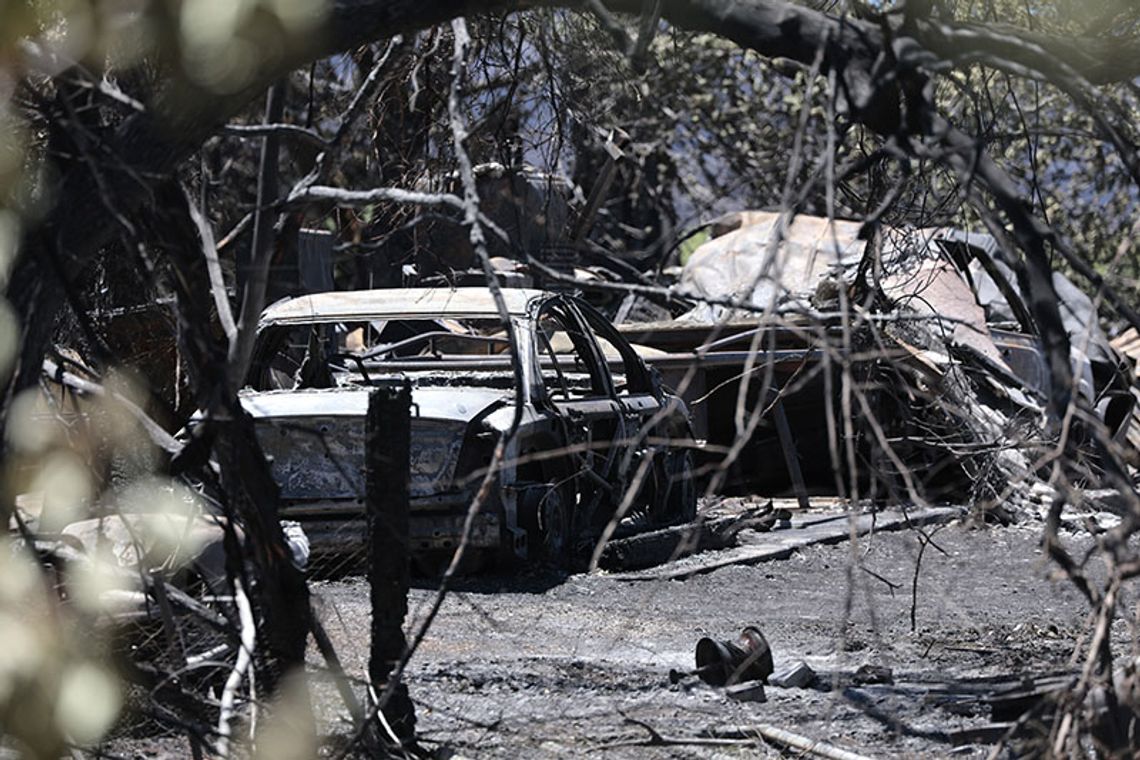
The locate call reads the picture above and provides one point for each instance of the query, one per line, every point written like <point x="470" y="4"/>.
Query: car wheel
<point x="555" y="537"/>
<point x="546" y="511"/>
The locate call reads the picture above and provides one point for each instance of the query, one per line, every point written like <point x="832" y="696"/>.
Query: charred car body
<point x="589" y="413"/>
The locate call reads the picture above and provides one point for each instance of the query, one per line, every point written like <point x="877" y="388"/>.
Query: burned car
<point x="595" y="429"/>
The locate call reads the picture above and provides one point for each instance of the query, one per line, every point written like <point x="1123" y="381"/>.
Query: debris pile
<point x="1011" y="708"/>
<point x="921" y="338"/>
<point x="712" y="531"/>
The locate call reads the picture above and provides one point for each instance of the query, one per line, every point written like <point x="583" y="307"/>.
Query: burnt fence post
<point x="387" y="471"/>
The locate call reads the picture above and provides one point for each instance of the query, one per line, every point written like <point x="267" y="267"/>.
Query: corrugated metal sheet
<point x="1134" y="424"/>
<point x="1128" y="343"/>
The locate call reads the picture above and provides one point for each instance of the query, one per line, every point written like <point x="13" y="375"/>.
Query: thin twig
<point x="244" y="658"/>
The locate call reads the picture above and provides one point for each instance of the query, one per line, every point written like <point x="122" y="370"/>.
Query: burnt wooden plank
<point x="781" y="544"/>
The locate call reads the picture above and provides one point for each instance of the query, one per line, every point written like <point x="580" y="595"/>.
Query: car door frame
<point x="641" y="404"/>
<point x="581" y="418"/>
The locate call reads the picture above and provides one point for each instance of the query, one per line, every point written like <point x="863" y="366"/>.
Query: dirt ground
<point x="544" y="666"/>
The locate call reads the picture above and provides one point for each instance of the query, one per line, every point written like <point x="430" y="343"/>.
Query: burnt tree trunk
<point x="387" y="471"/>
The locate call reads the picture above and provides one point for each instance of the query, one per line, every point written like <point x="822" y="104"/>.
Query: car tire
<point x="547" y="515"/>
<point x="555" y="534"/>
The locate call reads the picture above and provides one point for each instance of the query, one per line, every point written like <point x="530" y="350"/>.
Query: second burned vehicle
<point x="592" y="417"/>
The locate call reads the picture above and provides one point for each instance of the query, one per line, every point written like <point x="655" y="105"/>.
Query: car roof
<point x="397" y="303"/>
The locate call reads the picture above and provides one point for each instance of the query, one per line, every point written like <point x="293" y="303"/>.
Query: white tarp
<point x="757" y="266"/>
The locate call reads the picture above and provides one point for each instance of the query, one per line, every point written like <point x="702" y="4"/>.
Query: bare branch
<point x="285" y="130"/>
<point x="612" y="25"/>
<point x="257" y="274"/>
<point x="241" y="667"/>
<point x="313" y="193"/>
<point x="217" y="283"/>
<point x="365" y="92"/>
<point x="158" y="436"/>
<point x="1101" y="60"/>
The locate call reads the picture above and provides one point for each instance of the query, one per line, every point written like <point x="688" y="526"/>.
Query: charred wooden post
<point x="387" y="471"/>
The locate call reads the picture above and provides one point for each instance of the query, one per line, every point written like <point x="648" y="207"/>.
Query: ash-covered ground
<point x="544" y="666"/>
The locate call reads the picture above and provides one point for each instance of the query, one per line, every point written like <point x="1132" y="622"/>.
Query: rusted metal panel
<point x="936" y="289"/>
<point x="315" y="457"/>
